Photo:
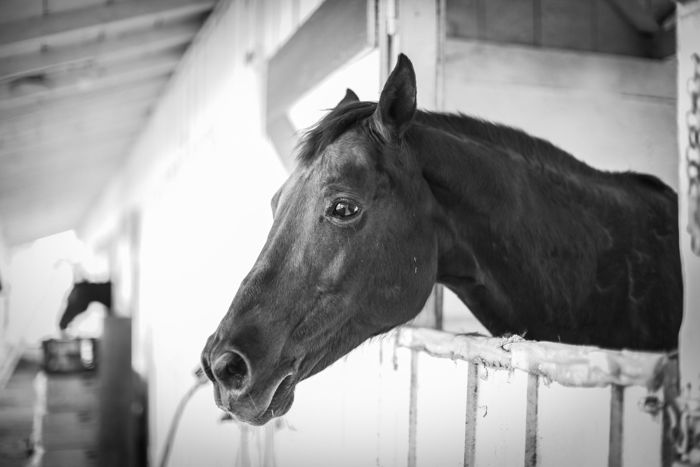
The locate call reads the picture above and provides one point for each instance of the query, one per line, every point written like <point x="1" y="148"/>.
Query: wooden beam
<point x="94" y="77"/>
<point x="568" y="365"/>
<point x="303" y="61"/>
<point x="73" y="132"/>
<point x="119" y="48"/>
<point x="636" y="15"/>
<point x="53" y="143"/>
<point x="34" y="126"/>
<point x="90" y="102"/>
<point x="32" y="34"/>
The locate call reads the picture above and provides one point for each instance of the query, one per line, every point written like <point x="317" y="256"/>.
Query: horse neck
<point x="470" y="182"/>
<point x="483" y="218"/>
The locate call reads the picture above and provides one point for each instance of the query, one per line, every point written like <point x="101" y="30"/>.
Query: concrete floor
<point x="67" y="435"/>
<point x="17" y="414"/>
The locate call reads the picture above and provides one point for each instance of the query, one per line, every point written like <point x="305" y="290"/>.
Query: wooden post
<point x="399" y="22"/>
<point x="688" y="43"/>
<point x="115" y="394"/>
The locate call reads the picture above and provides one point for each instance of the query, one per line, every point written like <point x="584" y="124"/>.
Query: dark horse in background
<point x="387" y="200"/>
<point x="81" y="296"/>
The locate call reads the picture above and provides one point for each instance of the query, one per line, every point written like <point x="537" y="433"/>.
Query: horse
<point x="81" y="296"/>
<point x="386" y="200"/>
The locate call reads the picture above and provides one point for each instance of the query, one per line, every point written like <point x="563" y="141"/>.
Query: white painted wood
<point x="688" y="43"/>
<point x="612" y="113"/>
<point x="29" y="35"/>
<point x="500" y="419"/>
<point x="92" y="78"/>
<point x="573" y="426"/>
<point x="137" y="44"/>
<point x="442" y="384"/>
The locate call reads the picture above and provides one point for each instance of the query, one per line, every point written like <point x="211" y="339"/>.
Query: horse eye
<point x="344" y="209"/>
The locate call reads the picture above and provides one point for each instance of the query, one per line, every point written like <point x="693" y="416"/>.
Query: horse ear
<point x="350" y="96"/>
<point x="397" y="103"/>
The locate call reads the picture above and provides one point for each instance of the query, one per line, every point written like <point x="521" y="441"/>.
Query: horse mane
<point x="342" y="118"/>
<point x="535" y="151"/>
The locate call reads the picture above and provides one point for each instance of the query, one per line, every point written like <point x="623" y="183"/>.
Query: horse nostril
<point x="231" y="370"/>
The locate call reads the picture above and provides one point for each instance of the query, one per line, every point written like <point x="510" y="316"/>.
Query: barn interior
<point x="141" y="142"/>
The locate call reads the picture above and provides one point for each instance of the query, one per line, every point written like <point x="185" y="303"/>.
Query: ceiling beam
<point x="109" y="147"/>
<point x="138" y="44"/>
<point x="92" y="101"/>
<point x="95" y="77"/>
<point x="635" y="14"/>
<point x="31" y="184"/>
<point x="32" y="34"/>
<point x="34" y="126"/>
<point x="50" y="144"/>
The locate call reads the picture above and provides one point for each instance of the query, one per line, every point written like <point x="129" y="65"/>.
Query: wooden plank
<point x="462" y="19"/>
<point x="91" y="79"/>
<point x="617" y="402"/>
<point x="137" y="44"/>
<point x="69" y="457"/>
<point x="470" y="417"/>
<point x="569" y="365"/>
<point x="636" y="15"/>
<point x="53" y="141"/>
<point x="15" y="10"/>
<point x="27" y="177"/>
<point x="614" y="34"/>
<point x="559" y="69"/>
<point x="303" y="60"/>
<point x="70" y="430"/>
<point x="688" y="14"/>
<point x="567" y="24"/>
<point x="509" y="21"/>
<point x="116" y="394"/>
<point x="35" y="126"/>
<point x="89" y="102"/>
<point x="533" y="383"/>
<point x="30" y="35"/>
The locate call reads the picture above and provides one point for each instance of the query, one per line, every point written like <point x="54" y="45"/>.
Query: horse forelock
<point x="338" y="121"/>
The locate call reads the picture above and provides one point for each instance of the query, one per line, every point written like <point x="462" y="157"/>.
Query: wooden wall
<point x="590" y="25"/>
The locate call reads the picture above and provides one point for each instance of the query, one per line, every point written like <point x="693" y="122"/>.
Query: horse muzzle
<point x="252" y="395"/>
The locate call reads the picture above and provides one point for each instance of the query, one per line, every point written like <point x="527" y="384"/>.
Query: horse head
<point x="352" y="253"/>
<point x="77" y="302"/>
<point x="81" y="296"/>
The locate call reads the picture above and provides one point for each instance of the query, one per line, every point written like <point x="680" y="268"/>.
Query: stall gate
<point x="541" y="403"/>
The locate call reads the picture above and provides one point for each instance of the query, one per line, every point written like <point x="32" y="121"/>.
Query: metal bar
<point x="413" y="410"/>
<point x="531" y="420"/>
<point x="617" y="401"/>
<point x="438" y="310"/>
<point x="470" y="419"/>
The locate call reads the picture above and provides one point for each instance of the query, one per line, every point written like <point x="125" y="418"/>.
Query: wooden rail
<point x="569" y="365"/>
